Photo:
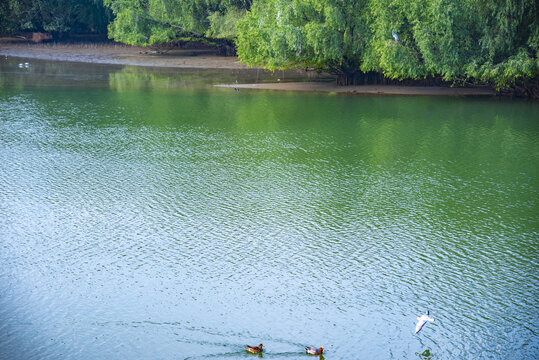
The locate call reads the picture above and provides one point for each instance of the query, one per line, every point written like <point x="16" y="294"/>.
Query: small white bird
<point x="395" y="36"/>
<point x="422" y="320"/>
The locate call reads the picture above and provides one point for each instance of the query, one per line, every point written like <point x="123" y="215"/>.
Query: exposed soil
<point x="106" y="53"/>
<point x="367" y="89"/>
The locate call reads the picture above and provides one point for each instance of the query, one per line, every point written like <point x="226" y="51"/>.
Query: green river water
<point x="145" y="214"/>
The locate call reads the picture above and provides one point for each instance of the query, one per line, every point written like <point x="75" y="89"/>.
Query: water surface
<point x="146" y="215"/>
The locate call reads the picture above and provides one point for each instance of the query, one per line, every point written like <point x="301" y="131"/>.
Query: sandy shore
<point x="121" y="55"/>
<point x="367" y="89"/>
<point x="205" y="59"/>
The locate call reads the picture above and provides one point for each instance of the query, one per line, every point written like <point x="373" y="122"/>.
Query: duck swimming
<point x="314" y="351"/>
<point x="254" y="349"/>
<point x="422" y="320"/>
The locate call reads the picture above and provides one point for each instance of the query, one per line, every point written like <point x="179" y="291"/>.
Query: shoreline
<point x="120" y="54"/>
<point x="332" y="87"/>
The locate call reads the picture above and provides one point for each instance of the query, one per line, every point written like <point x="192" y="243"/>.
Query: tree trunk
<point x="350" y="78"/>
<point x="226" y="48"/>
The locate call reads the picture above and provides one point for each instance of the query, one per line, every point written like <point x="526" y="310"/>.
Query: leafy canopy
<point x="53" y="16"/>
<point x="147" y="22"/>
<point x="323" y="34"/>
<point x="494" y="41"/>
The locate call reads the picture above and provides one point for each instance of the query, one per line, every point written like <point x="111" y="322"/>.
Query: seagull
<point x="395" y="36"/>
<point x="422" y="320"/>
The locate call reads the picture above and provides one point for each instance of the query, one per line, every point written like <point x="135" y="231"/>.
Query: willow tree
<point x="494" y="41"/>
<point x="149" y="22"/>
<point x="327" y="35"/>
<point x="458" y="40"/>
<point x="508" y="42"/>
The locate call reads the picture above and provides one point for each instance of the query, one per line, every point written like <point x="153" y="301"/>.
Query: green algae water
<point x="145" y="214"/>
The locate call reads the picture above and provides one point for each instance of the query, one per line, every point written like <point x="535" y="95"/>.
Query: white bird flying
<point x="422" y="320"/>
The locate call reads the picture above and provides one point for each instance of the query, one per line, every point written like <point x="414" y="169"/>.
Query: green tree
<point x="148" y="22"/>
<point x="459" y="40"/>
<point x="494" y="41"/>
<point x="508" y="41"/>
<point x="53" y="16"/>
<point x="321" y="34"/>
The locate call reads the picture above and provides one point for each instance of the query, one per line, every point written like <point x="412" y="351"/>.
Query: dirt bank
<point x="107" y="53"/>
<point x="367" y="89"/>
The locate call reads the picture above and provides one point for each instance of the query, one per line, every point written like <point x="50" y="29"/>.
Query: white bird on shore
<point x="422" y="320"/>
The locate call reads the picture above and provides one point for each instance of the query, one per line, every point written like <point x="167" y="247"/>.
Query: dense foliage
<point x="322" y="34"/>
<point x="59" y="16"/>
<point x="147" y="22"/>
<point x="493" y="41"/>
<point x="488" y="40"/>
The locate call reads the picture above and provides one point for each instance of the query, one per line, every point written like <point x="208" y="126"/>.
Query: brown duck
<point x="314" y="351"/>
<point x="254" y="349"/>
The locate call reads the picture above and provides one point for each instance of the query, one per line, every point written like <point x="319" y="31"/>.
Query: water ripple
<point x="120" y="236"/>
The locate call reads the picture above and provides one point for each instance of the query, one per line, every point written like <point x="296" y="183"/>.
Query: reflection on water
<point x="186" y="222"/>
<point x="39" y="73"/>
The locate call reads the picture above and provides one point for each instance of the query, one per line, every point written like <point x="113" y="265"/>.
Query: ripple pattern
<point x="188" y="237"/>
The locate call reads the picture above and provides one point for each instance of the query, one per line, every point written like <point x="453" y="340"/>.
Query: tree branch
<point x="180" y="28"/>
